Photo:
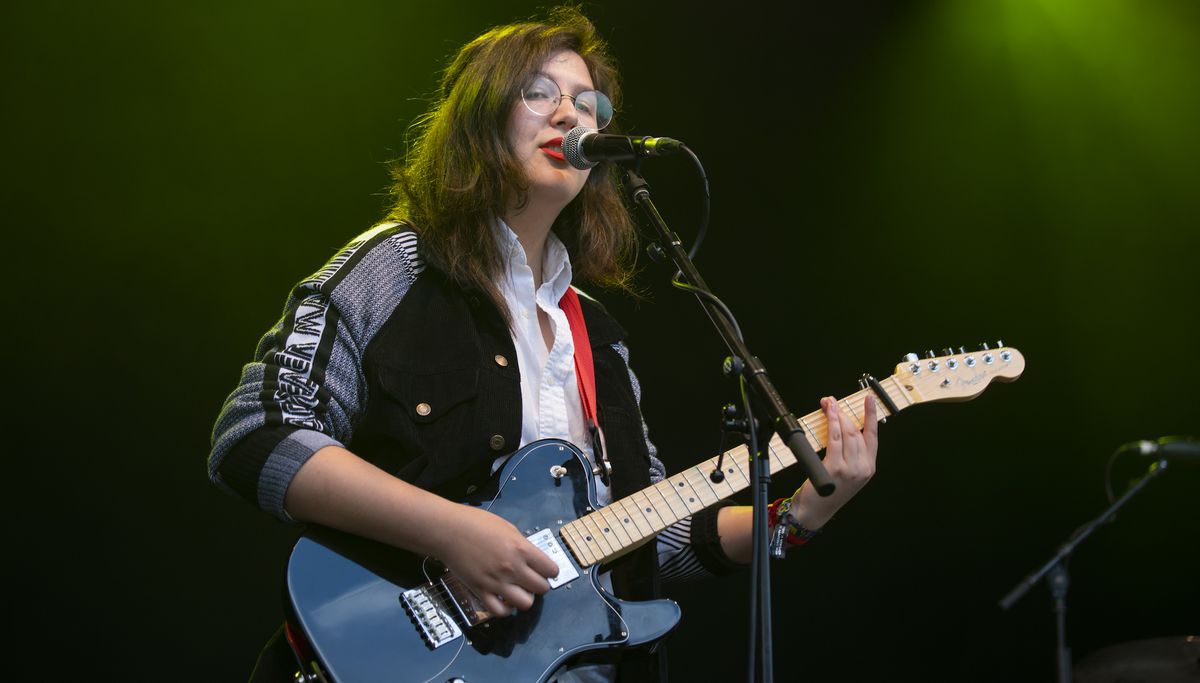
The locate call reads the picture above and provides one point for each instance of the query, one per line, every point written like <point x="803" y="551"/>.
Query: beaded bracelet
<point x="788" y="533"/>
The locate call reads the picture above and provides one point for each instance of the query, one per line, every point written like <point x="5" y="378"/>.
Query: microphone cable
<point x="701" y="233"/>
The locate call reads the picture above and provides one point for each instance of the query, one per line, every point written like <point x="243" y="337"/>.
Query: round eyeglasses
<point x="542" y="96"/>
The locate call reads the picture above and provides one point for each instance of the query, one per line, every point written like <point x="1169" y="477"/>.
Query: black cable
<point x="706" y="209"/>
<point x="728" y="314"/>
<point x="701" y="232"/>
<point x="1108" y="470"/>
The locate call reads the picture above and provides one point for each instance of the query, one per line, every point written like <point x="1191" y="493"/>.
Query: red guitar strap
<point x="585" y="374"/>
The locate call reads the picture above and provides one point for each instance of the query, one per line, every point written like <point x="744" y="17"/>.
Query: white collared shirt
<point x="550" y="403"/>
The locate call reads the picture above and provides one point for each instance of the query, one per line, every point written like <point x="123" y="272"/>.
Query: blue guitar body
<point x="373" y="613"/>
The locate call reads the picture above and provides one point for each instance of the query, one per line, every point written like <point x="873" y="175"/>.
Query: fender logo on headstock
<point x="979" y="377"/>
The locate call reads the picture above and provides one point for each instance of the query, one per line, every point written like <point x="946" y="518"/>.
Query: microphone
<point x="1166" y="447"/>
<point x="586" y="147"/>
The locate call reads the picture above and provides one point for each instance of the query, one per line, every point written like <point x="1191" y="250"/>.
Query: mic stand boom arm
<point x="766" y="402"/>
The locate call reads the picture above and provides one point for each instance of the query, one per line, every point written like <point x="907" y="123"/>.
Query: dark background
<point x="886" y="177"/>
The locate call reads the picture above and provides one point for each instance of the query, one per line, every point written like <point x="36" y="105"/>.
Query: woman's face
<point x="536" y="139"/>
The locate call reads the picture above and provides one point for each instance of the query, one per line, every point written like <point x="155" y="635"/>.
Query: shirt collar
<point x="556" y="264"/>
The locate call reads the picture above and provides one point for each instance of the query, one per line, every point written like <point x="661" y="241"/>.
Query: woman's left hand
<point x="849" y="458"/>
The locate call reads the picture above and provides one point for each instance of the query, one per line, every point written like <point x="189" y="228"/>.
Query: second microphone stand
<point x="1055" y="572"/>
<point x="765" y="402"/>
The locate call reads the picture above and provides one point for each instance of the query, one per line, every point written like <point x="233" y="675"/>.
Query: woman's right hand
<point x="493" y="559"/>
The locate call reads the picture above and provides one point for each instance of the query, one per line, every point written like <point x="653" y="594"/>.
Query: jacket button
<point x="501" y="361"/>
<point x="423" y="409"/>
<point x="496" y="442"/>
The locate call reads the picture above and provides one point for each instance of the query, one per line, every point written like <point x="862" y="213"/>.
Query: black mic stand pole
<point x="766" y="402"/>
<point x="1057" y="577"/>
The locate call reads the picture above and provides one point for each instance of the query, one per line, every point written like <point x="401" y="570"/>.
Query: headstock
<point x="958" y="376"/>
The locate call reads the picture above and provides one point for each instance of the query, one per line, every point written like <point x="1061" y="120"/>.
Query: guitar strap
<point x="585" y="377"/>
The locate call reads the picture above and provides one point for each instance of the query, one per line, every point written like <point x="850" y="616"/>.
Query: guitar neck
<point x="627" y="523"/>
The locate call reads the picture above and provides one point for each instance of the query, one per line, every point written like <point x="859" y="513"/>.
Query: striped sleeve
<point x="691" y="547"/>
<point x="304" y="389"/>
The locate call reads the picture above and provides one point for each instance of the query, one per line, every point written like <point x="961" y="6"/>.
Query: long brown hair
<point x="461" y="173"/>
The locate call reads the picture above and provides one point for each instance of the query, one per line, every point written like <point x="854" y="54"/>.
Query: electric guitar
<point x="374" y="613"/>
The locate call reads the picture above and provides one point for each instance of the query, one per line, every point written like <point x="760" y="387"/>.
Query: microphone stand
<point x="765" y="401"/>
<point x="1057" y="577"/>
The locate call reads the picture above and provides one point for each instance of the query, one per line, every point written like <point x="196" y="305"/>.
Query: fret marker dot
<point x="588" y="538"/>
<point x="626" y="520"/>
<point x="606" y="530"/>
<point x="691" y="500"/>
<point x="649" y="510"/>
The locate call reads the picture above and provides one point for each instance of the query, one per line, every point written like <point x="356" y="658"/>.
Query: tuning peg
<point x="910" y="358"/>
<point x="930" y="354"/>
<point x="947" y="351"/>
<point x="962" y="349"/>
<point x="999" y="344"/>
<point x="984" y="346"/>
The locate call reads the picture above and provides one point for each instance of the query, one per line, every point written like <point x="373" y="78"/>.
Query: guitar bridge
<point x="435" y="623"/>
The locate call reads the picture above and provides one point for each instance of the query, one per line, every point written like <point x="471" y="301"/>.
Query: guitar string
<point x="815" y="423"/>
<point x="818" y="433"/>
<point x="817" y="428"/>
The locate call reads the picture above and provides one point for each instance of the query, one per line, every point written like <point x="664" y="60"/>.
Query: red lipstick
<point x="553" y="148"/>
